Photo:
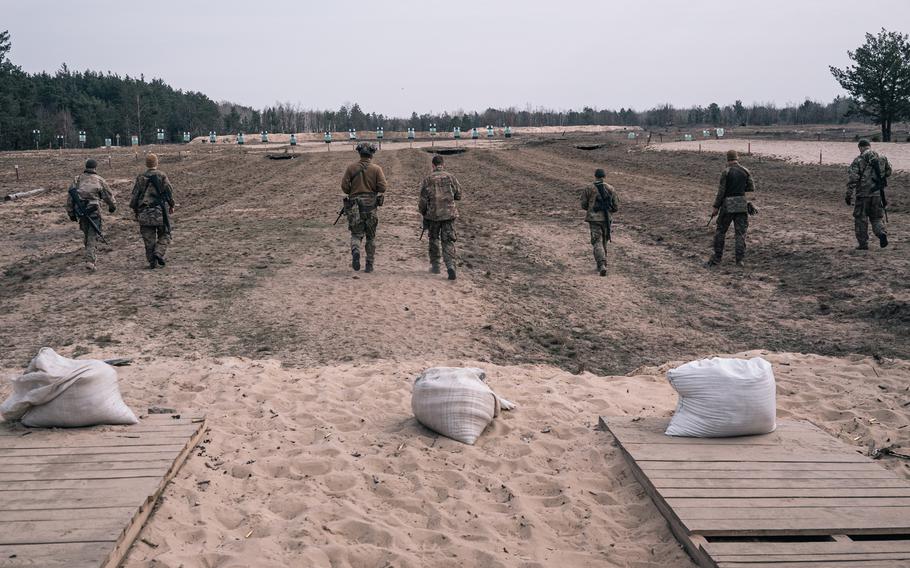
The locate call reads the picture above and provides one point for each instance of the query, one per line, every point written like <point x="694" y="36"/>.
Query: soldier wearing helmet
<point x="868" y="177"/>
<point x="91" y="190"/>
<point x="364" y="184"/>
<point x="732" y="206"/>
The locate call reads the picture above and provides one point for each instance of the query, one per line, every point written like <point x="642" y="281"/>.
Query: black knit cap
<point x="599" y="173"/>
<point x="91" y="164"/>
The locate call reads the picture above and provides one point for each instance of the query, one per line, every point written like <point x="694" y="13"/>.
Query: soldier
<point x="364" y="184"/>
<point x="152" y="204"/>
<point x="731" y="205"/>
<point x="600" y="202"/>
<point x="869" y="174"/>
<point x="438" y="193"/>
<point x="91" y="190"/>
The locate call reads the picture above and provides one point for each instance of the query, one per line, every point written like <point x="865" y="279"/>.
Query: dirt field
<point x="257" y="271"/>
<point x="797" y="151"/>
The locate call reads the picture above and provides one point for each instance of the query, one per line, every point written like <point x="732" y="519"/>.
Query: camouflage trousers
<point x="600" y="235"/>
<point x="442" y="239"/>
<point x="866" y="210"/>
<point x="363" y="224"/>
<point x="156" y="240"/>
<point x="740" y="223"/>
<point x="89" y="237"/>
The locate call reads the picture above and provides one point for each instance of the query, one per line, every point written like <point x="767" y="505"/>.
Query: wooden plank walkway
<point x="794" y="498"/>
<point x="78" y="498"/>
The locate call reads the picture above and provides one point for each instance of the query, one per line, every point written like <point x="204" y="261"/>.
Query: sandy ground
<point x="304" y="367"/>
<point x="798" y="151"/>
<point x="342" y="136"/>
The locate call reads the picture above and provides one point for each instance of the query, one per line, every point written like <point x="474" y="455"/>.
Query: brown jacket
<point x="92" y="189"/>
<point x="372" y="180"/>
<point x="438" y="193"/>
<point x="590" y="202"/>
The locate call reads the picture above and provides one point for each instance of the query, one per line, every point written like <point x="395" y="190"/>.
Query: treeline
<point x="42" y="107"/>
<point x="285" y="117"/>
<point x="51" y="110"/>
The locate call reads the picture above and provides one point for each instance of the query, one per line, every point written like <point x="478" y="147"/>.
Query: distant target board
<point x="720" y="132"/>
<point x="631" y="136"/>
<point x="293" y="139"/>
<point x="687" y="137"/>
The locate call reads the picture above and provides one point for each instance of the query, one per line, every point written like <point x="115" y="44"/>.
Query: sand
<point x="326" y="466"/>
<point x="798" y="151"/>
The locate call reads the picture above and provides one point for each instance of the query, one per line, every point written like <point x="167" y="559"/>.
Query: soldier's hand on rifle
<point x="73" y="217"/>
<point x="715" y="212"/>
<point x="848" y="199"/>
<point x="170" y="209"/>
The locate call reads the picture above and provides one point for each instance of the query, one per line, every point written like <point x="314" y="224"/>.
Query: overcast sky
<point x="395" y="56"/>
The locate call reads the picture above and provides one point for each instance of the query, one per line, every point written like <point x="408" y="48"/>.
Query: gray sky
<point x="396" y="56"/>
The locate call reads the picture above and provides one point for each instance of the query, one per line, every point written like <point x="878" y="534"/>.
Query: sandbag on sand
<point x="60" y="392"/>
<point x="723" y="397"/>
<point x="455" y="402"/>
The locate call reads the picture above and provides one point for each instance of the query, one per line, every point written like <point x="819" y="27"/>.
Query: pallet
<point x="794" y="498"/>
<point x="77" y="498"/>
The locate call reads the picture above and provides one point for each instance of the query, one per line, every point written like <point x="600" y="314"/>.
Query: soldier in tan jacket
<point x="364" y="184"/>
<point x="91" y="190"/>
<point x="600" y="202"/>
<point x="438" y="193"/>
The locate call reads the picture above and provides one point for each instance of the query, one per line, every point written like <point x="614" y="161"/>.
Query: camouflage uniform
<point x="146" y="207"/>
<point x="868" y="201"/>
<point x="599" y="218"/>
<point x="363" y="182"/>
<point x="732" y="206"/>
<point x="92" y="190"/>
<point x="438" y="193"/>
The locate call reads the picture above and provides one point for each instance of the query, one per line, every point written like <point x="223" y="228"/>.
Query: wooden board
<point x="731" y="501"/>
<point x="79" y="497"/>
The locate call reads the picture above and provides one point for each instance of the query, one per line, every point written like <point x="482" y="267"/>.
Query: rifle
<point x="161" y="202"/>
<point x="340" y="213"/>
<point x="606" y="203"/>
<point x="79" y="208"/>
<point x="711" y="218"/>
<point x="880" y="184"/>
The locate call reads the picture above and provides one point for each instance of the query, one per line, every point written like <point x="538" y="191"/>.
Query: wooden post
<point x="699" y="147"/>
<point x="819" y="156"/>
<point x="109" y="161"/>
<point x="749" y="152"/>
<point x="17" y="172"/>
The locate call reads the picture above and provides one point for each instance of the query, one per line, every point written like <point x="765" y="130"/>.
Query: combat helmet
<point x="366" y="148"/>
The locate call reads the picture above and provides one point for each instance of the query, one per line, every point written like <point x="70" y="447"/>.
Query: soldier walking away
<point x="153" y="204"/>
<point x="364" y="184"/>
<point x="83" y="205"/>
<point x="732" y="206"/>
<point x="868" y="178"/>
<point x="600" y="202"/>
<point x="438" y="193"/>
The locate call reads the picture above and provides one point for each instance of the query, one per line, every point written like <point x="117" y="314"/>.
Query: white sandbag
<point x="67" y="393"/>
<point x="723" y="397"/>
<point x="455" y="402"/>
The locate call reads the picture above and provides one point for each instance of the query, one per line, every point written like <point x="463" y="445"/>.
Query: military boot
<point x="883" y="240"/>
<point x="602" y="269"/>
<point x="159" y="259"/>
<point x="434" y="268"/>
<point x="740" y="263"/>
<point x="712" y="262"/>
<point x="355" y="259"/>
<point x="862" y="247"/>
<point x="451" y="272"/>
<point x="369" y="266"/>
<point x="90" y="266"/>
